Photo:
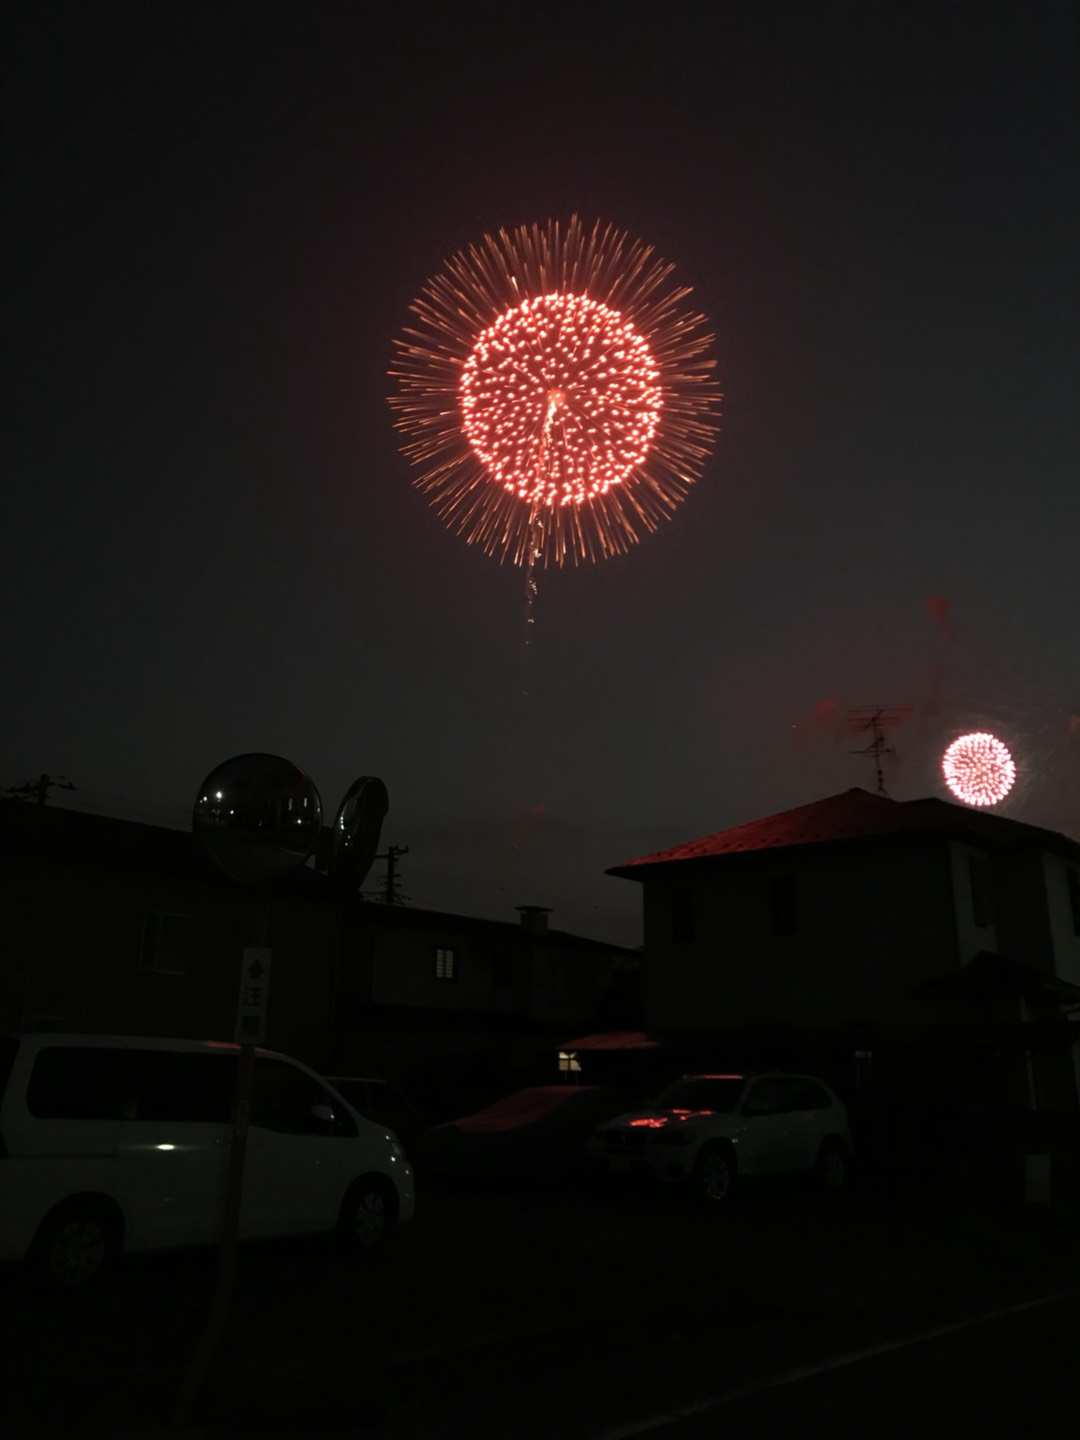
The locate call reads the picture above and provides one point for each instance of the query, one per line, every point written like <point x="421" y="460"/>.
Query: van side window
<point x="283" y="1097"/>
<point x="181" y="1087"/>
<point x="75" y="1082"/>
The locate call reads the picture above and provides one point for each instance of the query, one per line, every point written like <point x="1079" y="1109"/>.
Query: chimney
<point x="534" y="918"/>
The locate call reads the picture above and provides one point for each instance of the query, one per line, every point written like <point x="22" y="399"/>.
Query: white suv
<point x="712" y="1129"/>
<point x="119" y="1143"/>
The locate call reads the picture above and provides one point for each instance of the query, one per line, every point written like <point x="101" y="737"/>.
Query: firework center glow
<point x="560" y="399"/>
<point x="978" y="769"/>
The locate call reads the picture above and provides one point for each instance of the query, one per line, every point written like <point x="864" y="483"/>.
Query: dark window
<point x="783" y="912"/>
<point x="96" y="1083"/>
<point x="807" y="1095"/>
<point x="718" y="1093"/>
<point x="982" y="894"/>
<point x="164" y="943"/>
<point x="772" y="1096"/>
<point x="175" y="1085"/>
<point x="683" y="916"/>
<point x="284" y="1097"/>
<point x="445" y="968"/>
<point x="1074" y="899"/>
<point x="75" y="1083"/>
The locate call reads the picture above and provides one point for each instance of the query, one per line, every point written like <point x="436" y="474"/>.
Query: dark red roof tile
<point x="852" y="815"/>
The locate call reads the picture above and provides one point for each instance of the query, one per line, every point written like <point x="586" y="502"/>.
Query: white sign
<point x="254" y="999"/>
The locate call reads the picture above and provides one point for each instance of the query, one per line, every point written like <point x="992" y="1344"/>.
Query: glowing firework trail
<point x="978" y="769"/>
<point x="556" y="392"/>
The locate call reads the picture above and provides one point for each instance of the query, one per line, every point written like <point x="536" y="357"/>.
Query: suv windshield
<point x="704" y="1094"/>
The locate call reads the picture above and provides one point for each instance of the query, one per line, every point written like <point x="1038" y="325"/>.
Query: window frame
<point x="152" y="919"/>
<point x="446" y="953"/>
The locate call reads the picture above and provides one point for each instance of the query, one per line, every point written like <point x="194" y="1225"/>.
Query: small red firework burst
<point x="978" y="769"/>
<point x="556" y="391"/>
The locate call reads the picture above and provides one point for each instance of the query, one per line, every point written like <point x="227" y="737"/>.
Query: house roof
<point x="77" y="837"/>
<point x="854" y="814"/>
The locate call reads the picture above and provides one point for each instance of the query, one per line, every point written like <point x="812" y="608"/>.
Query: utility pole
<point x="875" y="720"/>
<point x="391" y="893"/>
<point x="38" y="790"/>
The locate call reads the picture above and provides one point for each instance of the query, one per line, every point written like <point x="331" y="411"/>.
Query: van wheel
<point x="368" y="1214"/>
<point x="76" y="1246"/>
<point x="714" y="1176"/>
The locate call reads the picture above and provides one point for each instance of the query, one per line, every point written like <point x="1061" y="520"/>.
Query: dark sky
<point x="216" y="220"/>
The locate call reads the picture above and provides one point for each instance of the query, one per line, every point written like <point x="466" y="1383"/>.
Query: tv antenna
<point x="877" y="721"/>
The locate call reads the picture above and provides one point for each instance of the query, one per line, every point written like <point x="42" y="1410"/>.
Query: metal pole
<point x="230" y="1229"/>
<point x="197" y="1372"/>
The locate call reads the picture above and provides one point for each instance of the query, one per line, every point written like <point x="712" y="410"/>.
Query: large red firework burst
<point x="556" y="391"/>
<point x="978" y="769"/>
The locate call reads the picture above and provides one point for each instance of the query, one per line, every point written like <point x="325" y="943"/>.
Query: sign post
<point x="251" y="1014"/>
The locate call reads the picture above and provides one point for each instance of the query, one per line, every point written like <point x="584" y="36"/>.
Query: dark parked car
<point x="535" y="1134"/>
<point x="385" y="1104"/>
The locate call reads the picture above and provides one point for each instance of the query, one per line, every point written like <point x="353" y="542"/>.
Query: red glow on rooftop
<point x="649" y="1122"/>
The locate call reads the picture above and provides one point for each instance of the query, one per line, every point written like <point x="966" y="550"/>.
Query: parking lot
<point x="537" y="1311"/>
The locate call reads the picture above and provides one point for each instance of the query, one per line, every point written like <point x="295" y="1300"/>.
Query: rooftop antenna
<point x="876" y="720"/>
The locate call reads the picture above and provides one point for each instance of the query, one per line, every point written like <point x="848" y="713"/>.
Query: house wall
<point x="974" y="932"/>
<point x="1023" y="916"/>
<point x="502" y="971"/>
<point x="1064" y="934"/>
<point x="72" y="957"/>
<point x="871" y="922"/>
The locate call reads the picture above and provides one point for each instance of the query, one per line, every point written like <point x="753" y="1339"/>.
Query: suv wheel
<point x="368" y="1214"/>
<point x="715" y="1175"/>
<point x="75" y="1247"/>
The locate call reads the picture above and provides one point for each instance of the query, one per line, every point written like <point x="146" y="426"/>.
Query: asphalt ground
<point x="526" y="1312"/>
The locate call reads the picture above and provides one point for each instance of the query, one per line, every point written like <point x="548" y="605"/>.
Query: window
<point x="569" y="1064"/>
<point x="74" y="1083"/>
<point x="783" y="913"/>
<point x="444" y="965"/>
<point x="179" y="1087"/>
<point x="82" y="1082"/>
<point x="283" y="1098"/>
<point x="773" y="1095"/>
<point x="164" y="943"/>
<point x="683" y="916"/>
<point x="982" y="893"/>
<point x="806" y="1095"/>
<point x="1074" y="899"/>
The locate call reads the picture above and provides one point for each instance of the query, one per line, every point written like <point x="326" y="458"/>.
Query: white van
<point x="118" y="1143"/>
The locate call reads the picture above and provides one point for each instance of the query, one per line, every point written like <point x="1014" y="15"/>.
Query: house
<point x="111" y="926"/>
<point x="846" y="911"/>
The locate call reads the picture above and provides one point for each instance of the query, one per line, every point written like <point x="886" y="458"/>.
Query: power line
<point x="38" y="790"/>
<point x="391" y="892"/>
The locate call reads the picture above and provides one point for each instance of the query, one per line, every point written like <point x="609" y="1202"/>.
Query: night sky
<point x="216" y="219"/>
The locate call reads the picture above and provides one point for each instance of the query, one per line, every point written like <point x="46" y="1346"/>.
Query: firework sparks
<point x="978" y="769"/>
<point x="556" y="392"/>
